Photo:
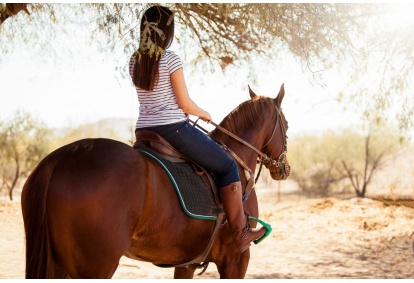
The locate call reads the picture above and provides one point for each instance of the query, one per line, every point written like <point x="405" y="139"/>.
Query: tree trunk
<point x="360" y="194"/>
<point x="13" y="185"/>
<point x="364" y="189"/>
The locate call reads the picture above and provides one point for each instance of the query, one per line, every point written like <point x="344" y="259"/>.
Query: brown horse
<point x="92" y="201"/>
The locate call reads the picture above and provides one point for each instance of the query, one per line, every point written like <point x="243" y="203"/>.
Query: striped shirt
<point x="159" y="106"/>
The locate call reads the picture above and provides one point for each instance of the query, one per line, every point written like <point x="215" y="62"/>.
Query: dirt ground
<point x="311" y="238"/>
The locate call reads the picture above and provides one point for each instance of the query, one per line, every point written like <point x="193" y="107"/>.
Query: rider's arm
<point x="183" y="98"/>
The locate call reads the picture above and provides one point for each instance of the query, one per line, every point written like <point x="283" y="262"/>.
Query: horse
<point x="92" y="201"/>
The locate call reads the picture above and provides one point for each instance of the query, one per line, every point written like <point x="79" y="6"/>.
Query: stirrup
<point x="267" y="227"/>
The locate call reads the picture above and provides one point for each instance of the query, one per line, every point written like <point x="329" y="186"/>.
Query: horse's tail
<point x="39" y="258"/>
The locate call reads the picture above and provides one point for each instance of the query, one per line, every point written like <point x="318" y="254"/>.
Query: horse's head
<point x="276" y="144"/>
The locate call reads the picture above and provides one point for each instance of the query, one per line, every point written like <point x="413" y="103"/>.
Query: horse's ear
<point x="279" y="98"/>
<point x="252" y="94"/>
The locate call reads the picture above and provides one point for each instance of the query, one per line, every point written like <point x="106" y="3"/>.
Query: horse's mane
<point x="247" y="115"/>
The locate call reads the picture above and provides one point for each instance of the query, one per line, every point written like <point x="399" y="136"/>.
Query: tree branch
<point x="11" y="9"/>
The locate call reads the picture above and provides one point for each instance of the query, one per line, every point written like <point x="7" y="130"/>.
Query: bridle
<point x="281" y="162"/>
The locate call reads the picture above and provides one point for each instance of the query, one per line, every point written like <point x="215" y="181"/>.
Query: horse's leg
<point x="183" y="273"/>
<point x="234" y="266"/>
<point x="231" y="264"/>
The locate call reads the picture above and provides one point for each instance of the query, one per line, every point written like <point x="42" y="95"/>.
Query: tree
<point x="313" y="160"/>
<point x="223" y="32"/>
<point x="383" y="73"/>
<point x="321" y="163"/>
<point x="366" y="157"/>
<point x="23" y="143"/>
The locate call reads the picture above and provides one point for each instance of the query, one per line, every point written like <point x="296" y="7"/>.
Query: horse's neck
<point x="248" y="155"/>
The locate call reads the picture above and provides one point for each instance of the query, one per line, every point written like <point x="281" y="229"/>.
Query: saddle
<point x="156" y="142"/>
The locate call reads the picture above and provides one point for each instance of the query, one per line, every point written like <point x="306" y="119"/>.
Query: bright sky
<point x="85" y="89"/>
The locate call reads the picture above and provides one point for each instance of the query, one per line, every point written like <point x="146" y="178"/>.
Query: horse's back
<point x="94" y="170"/>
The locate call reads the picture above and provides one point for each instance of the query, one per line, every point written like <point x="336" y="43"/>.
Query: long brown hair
<point x="156" y="35"/>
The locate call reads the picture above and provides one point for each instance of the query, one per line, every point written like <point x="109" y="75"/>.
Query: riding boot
<point x="231" y="197"/>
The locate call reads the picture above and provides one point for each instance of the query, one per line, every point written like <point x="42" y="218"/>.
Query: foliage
<point x="223" y="32"/>
<point x="325" y="164"/>
<point x="23" y="143"/>
<point x="11" y="9"/>
<point x="383" y="74"/>
<point x="312" y="162"/>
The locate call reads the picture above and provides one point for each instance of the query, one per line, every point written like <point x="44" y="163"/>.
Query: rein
<point x="264" y="158"/>
<point x="261" y="154"/>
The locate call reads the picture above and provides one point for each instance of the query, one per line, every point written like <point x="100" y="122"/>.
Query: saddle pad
<point x="196" y="199"/>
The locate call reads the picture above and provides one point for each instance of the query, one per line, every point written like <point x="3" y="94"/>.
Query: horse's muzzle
<point x="280" y="168"/>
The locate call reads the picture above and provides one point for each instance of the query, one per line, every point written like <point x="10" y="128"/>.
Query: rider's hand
<point x="206" y="117"/>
